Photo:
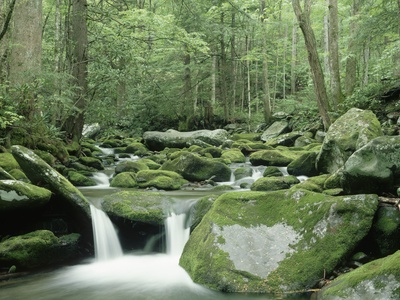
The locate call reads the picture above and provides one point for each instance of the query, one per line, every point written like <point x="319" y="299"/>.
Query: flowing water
<point x="118" y="276"/>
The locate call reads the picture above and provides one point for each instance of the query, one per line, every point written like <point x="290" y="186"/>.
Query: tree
<point x="78" y="59"/>
<point x="303" y="17"/>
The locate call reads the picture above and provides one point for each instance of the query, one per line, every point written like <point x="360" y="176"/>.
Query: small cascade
<point x="257" y="173"/>
<point x="102" y="179"/>
<point x="177" y="234"/>
<point x="107" y="245"/>
<point x="106" y="151"/>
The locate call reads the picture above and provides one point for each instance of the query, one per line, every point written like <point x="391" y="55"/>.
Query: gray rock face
<point x="375" y="167"/>
<point x="274" y="242"/>
<point x="17" y="194"/>
<point x="347" y="134"/>
<point x="156" y="140"/>
<point x="277" y="128"/>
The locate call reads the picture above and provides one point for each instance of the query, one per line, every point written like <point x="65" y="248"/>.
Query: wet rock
<point x="78" y="179"/>
<point x="156" y="140"/>
<point x="374" y="168"/>
<point x="233" y="155"/>
<point x="379" y="279"/>
<point x="280" y="157"/>
<point x="275" y="242"/>
<point x="303" y="165"/>
<point x="16" y="195"/>
<point x="124" y="180"/>
<point x="160" y="179"/>
<point x="92" y="162"/>
<point x="130" y="166"/>
<point x="137" y="149"/>
<point x="274" y="183"/>
<point x="347" y="134"/>
<point x="37" y="249"/>
<point x="287" y="139"/>
<point x="195" y="168"/>
<point x="4" y="175"/>
<point x="277" y="128"/>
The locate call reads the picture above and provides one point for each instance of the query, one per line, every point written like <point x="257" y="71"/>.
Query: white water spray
<point x="176" y="233"/>
<point x="107" y="244"/>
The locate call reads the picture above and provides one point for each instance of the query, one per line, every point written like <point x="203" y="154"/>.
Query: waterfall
<point x="176" y="233"/>
<point x="106" y="241"/>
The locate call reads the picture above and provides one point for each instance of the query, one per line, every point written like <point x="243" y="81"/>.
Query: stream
<point x="139" y="275"/>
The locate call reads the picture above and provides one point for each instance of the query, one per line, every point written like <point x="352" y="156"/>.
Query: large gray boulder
<point x="20" y="195"/>
<point x="196" y="168"/>
<point x="40" y="173"/>
<point x="347" y="134"/>
<point x="157" y="140"/>
<point x="379" y="279"/>
<point x="374" y="168"/>
<point x="274" y="242"/>
<point x="277" y="128"/>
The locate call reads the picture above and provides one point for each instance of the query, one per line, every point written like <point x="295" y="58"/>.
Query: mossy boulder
<point x="214" y="151"/>
<point x="8" y="162"/>
<point x="347" y="134"/>
<point x="4" y="175"/>
<point x="233" y="155"/>
<point x="274" y="183"/>
<point x="160" y="179"/>
<point x="124" y="180"/>
<point x="374" y="168"/>
<point x="303" y="165"/>
<point x="138" y="206"/>
<point x="378" y="279"/>
<point x="40" y="173"/>
<point x="153" y="165"/>
<point x="137" y="148"/>
<point x="78" y="179"/>
<point x="18" y="174"/>
<point x="275" y="242"/>
<point x="37" y="249"/>
<point x="92" y="162"/>
<point x="200" y="208"/>
<point x="272" y="171"/>
<point x="277" y="157"/>
<point x="287" y="139"/>
<point x="20" y="195"/>
<point x="130" y="166"/>
<point x="195" y="168"/>
<point x="386" y="230"/>
<point x="242" y="172"/>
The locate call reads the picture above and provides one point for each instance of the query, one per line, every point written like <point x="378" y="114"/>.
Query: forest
<point x="137" y="65"/>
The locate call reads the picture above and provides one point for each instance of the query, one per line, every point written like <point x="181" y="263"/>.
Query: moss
<point x="274" y="183"/>
<point x="234" y="155"/>
<point x="92" y="162"/>
<point x="46" y="156"/>
<point x="153" y="165"/>
<point x="137" y="148"/>
<point x="276" y="157"/>
<point x="130" y="166"/>
<point x="247" y="136"/>
<point x="19" y="175"/>
<point x="124" y="180"/>
<point x="146" y="207"/>
<point x="160" y="179"/>
<point x="8" y="162"/>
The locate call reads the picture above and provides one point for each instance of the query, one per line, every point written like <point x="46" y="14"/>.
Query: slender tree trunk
<point x="79" y="61"/>
<point x="327" y="64"/>
<point x="284" y="63"/>
<point x="351" y="62"/>
<point x="293" y="60"/>
<point x="213" y="79"/>
<point x="303" y="17"/>
<point x="223" y="74"/>
<point x="26" y="51"/>
<point x="233" y="77"/>
<point x="248" y="78"/>
<point x="266" y="91"/>
<point x="334" y="53"/>
<point x="366" y="64"/>
<point x="6" y="12"/>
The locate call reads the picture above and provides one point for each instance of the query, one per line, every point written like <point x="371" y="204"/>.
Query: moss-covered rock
<point x="130" y="166"/>
<point x="195" y="168"/>
<point x="242" y="172"/>
<point x="375" y="168"/>
<point x="160" y="179"/>
<point x="153" y="165"/>
<point x="274" y="183"/>
<point x="234" y="155"/>
<point x="272" y="171"/>
<point x="277" y="157"/>
<point x="40" y="173"/>
<point x="78" y="179"/>
<point x="18" y="174"/>
<point x="20" y="195"/>
<point x="252" y="136"/>
<point x="4" y="175"/>
<point x="277" y="128"/>
<point x="214" y="151"/>
<point x="287" y="139"/>
<point x="8" y="162"/>
<point x="275" y="242"/>
<point x="46" y="156"/>
<point x="347" y="134"/>
<point x="379" y="279"/>
<point x="303" y="165"/>
<point x="386" y="230"/>
<point x="137" y="148"/>
<point x="92" y="162"/>
<point x="37" y="249"/>
<point x="124" y="180"/>
<point x="138" y="206"/>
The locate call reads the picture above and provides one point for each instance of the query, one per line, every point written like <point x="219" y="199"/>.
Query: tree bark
<point x="78" y="58"/>
<point x="265" y="82"/>
<point x="334" y="53"/>
<point x="303" y="17"/>
<point x="293" y="60"/>
<point x="351" y="62"/>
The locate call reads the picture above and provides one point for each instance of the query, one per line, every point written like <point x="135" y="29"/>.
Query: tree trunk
<point x="26" y="51"/>
<point x="266" y="96"/>
<point x="334" y="53"/>
<point x="293" y="60"/>
<point x="303" y="17"/>
<point x="213" y="79"/>
<point x="6" y="12"/>
<point x="248" y="78"/>
<point x="223" y="74"/>
<point x="351" y="62"/>
<point x="78" y="58"/>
